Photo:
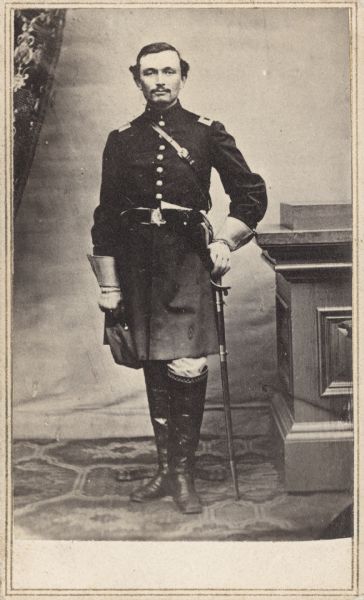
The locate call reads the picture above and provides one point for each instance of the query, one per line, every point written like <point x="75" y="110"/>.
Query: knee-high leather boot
<point x="186" y="411"/>
<point x="156" y="379"/>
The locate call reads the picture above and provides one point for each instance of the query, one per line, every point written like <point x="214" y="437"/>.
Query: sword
<point x="219" y="292"/>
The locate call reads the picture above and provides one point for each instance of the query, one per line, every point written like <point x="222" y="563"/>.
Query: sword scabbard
<point x="219" y="291"/>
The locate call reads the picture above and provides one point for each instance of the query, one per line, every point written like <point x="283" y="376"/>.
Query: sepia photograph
<point x="181" y="238"/>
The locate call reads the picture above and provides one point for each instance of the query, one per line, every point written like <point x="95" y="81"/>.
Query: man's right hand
<point x="110" y="299"/>
<point x="220" y="256"/>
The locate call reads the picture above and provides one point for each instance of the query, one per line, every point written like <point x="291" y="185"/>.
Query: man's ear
<point x="134" y="72"/>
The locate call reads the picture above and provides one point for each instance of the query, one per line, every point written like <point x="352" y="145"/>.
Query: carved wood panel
<point x="335" y="350"/>
<point x="284" y="343"/>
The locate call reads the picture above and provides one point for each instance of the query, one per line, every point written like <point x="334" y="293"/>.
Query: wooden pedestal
<point x="313" y="411"/>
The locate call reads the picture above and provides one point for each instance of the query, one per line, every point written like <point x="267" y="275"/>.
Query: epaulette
<point x="123" y="127"/>
<point x="205" y="121"/>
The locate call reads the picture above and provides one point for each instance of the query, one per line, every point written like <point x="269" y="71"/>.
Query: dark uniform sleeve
<point x="247" y="190"/>
<point x="106" y="222"/>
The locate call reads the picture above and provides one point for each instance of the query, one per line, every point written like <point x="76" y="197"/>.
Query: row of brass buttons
<point x="159" y="169"/>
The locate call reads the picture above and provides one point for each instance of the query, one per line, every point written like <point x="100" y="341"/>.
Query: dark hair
<point x="155" y="49"/>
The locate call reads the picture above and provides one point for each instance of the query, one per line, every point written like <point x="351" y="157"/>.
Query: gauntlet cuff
<point x="234" y="233"/>
<point x="104" y="268"/>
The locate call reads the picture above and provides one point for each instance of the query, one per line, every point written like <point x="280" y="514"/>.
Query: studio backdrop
<point x="279" y="80"/>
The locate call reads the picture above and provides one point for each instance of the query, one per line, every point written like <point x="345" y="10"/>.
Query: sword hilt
<point x="218" y="287"/>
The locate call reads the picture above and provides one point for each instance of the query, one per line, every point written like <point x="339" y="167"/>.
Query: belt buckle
<point x="156" y="217"/>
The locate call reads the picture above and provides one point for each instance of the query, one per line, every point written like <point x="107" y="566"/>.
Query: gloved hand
<point x="220" y="256"/>
<point x="110" y="298"/>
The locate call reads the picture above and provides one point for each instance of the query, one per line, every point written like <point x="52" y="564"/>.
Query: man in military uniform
<point x="155" y="254"/>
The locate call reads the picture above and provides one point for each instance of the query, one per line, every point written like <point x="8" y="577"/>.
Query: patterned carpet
<point x="69" y="490"/>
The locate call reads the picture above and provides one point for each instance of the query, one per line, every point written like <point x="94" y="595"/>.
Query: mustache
<point x="161" y="89"/>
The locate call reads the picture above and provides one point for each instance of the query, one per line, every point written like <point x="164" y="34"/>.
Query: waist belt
<point x="188" y="222"/>
<point x="158" y="217"/>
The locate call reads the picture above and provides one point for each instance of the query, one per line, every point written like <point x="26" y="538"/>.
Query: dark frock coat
<point x="165" y="281"/>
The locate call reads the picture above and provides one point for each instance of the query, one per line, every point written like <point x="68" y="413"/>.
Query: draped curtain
<point x="37" y="43"/>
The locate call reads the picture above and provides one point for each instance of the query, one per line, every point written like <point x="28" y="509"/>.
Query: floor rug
<point x="79" y="489"/>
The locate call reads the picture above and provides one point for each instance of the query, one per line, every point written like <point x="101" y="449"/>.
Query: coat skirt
<point x="169" y="304"/>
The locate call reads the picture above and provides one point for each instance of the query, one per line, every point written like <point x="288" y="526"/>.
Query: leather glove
<point x="110" y="298"/>
<point x="220" y="256"/>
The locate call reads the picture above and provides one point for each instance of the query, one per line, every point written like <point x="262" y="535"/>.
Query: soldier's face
<point x="160" y="78"/>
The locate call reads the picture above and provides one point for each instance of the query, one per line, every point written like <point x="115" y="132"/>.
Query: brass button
<point x="162" y="147"/>
<point x="158" y="196"/>
<point x="159" y="182"/>
<point x="161" y="123"/>
<point x="160" y="156"/>
<point x="159" y="169"/>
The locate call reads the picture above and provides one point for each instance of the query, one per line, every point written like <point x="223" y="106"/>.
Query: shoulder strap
<point x="205" y="121"/>
<point x="123" y="127"/>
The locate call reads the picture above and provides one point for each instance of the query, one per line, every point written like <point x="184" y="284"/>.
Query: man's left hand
<point x="220" y="256"/>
